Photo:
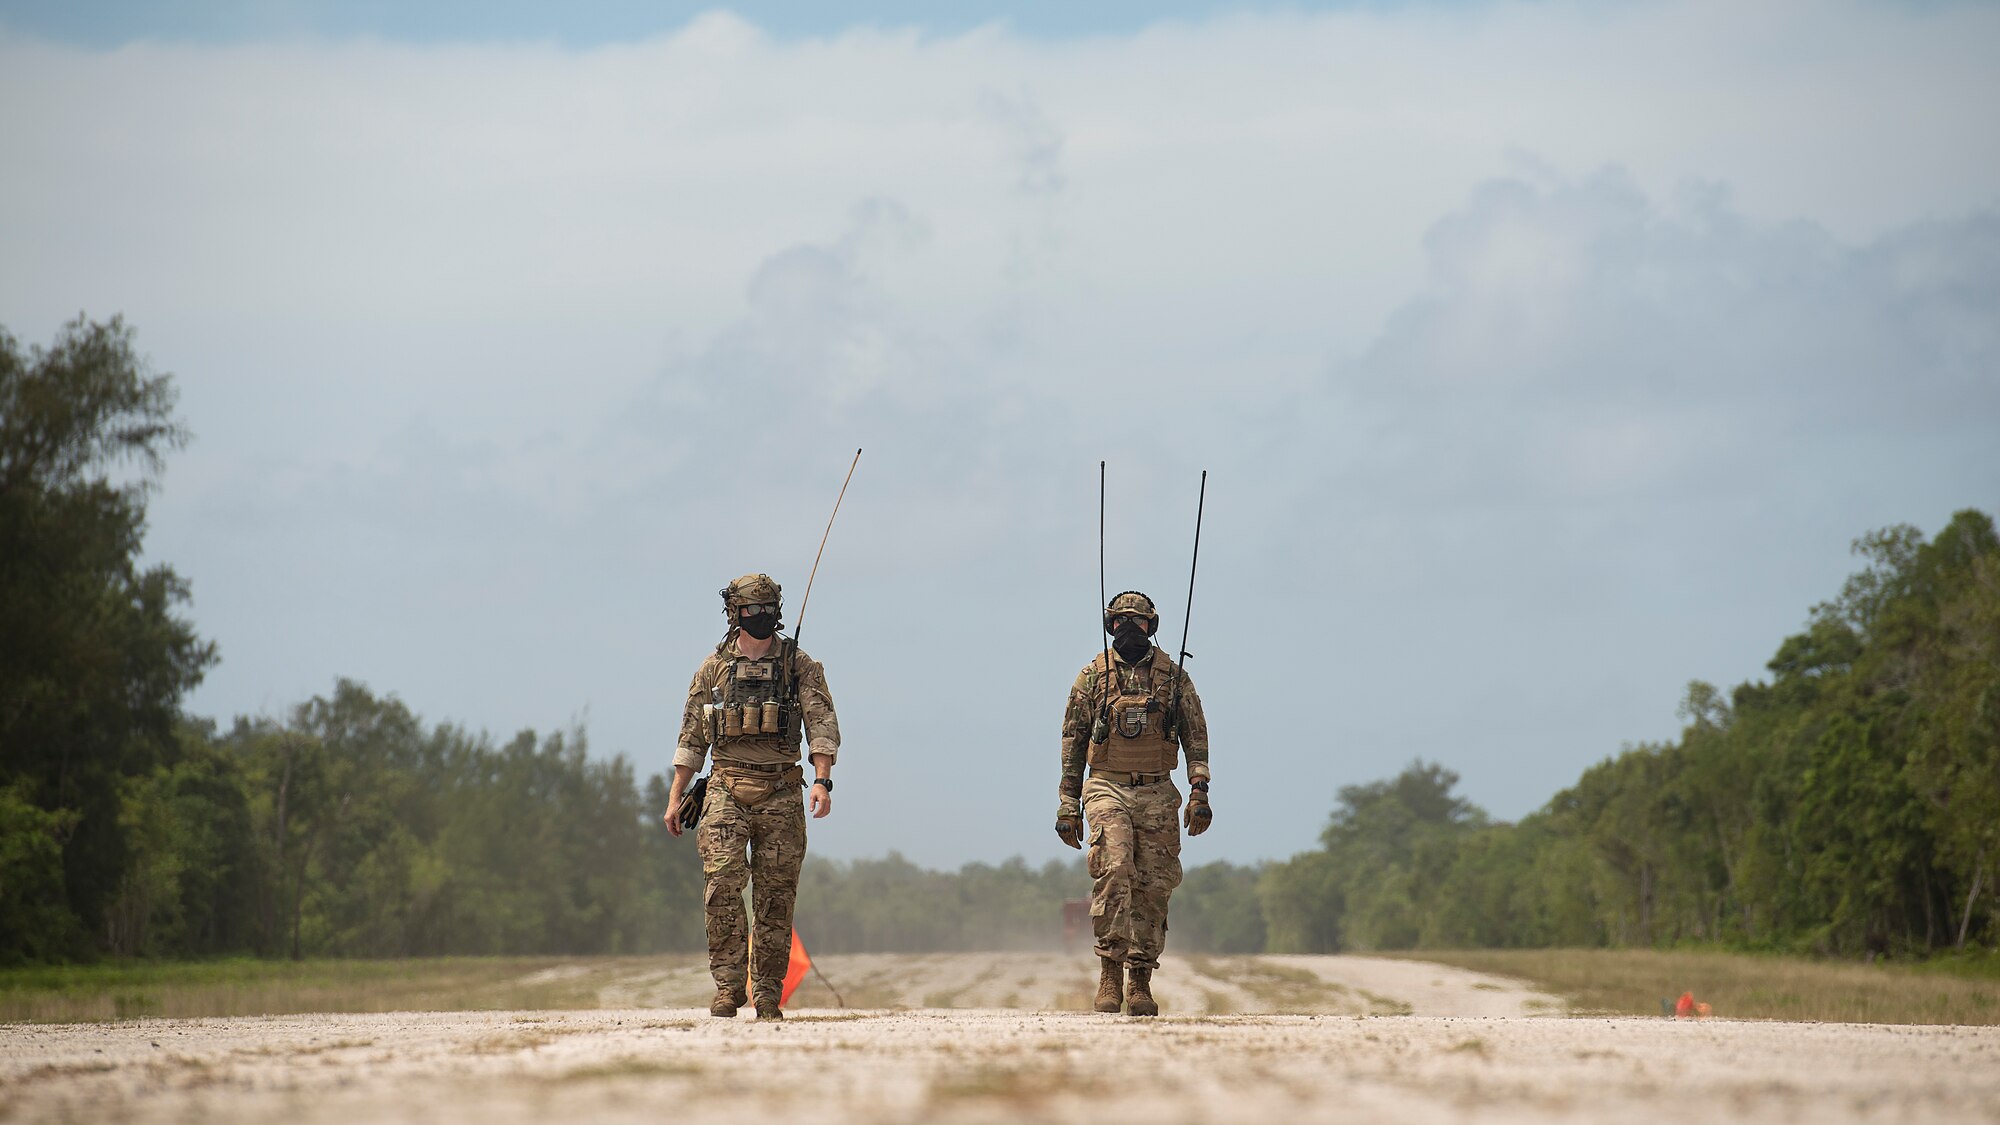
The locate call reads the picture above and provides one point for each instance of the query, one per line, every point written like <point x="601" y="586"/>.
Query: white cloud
<point x="1615" y="441"/>
<point x="501" y="359"/>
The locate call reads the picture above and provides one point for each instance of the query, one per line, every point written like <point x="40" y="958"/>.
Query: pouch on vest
<point x="760" y="683"/>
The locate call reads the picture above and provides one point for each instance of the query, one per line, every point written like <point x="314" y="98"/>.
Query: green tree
<point x="36" y="922"/>
<point x="93" y="659"/>
<point x="1387" y="851"/>
<point x="1216" y="910"/>
<point x="1301" y="902"/>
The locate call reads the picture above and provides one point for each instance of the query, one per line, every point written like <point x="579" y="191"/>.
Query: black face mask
<point x="760" y="625"/>
<point x="1131" y="642"/>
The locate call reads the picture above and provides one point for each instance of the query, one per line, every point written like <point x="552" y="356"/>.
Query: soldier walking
<point x="751" y="699"/>
<point x="1132" y="713"/>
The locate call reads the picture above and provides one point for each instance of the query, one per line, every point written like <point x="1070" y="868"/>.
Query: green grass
<point x="1632" y="982"/>
<point x="1279" y="987"/>
<point x="238" y="987"/>
<point x="1977" y="964"/>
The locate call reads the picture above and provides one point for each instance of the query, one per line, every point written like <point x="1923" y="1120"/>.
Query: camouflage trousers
<point x="773" y="832"/>
<point x="1135" y="864"/>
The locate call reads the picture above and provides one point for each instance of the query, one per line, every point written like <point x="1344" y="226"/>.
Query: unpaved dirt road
<point x="1467" y="1049"/>
<point x="1213" y="986"/>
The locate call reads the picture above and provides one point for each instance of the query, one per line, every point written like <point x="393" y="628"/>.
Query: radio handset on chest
<point x="1133" y="707"/>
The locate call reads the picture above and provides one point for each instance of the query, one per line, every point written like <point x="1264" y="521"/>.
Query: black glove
<point x="697" y="795"/>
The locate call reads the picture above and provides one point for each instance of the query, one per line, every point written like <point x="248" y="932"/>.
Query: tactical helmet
<point x="751" y="589"/>
<point x="1137" y="604"/>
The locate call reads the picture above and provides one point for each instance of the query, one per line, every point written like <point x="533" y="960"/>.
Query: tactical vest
<point x="1142" y="740"/>
<point x="757" y="700"/>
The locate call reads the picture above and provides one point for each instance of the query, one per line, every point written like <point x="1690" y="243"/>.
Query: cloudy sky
<point x="1542" y="356"/>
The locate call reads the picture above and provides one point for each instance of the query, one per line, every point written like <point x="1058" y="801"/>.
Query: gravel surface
<point x="826" y="1065"/>
<point x="1195" y="985"/>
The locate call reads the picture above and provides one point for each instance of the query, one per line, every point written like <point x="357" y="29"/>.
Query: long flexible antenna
<point x="1100" y="556"/>
<point x="801" y="623"/>
<point x="1187" y="618"/>
<point x="1101" y="730"/>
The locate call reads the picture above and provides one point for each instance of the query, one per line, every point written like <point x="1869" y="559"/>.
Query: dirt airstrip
<point x="986" y="1038"/>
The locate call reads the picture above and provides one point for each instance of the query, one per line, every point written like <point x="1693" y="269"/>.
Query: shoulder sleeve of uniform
<point x="822" y="724"/>
<point x="693" y="743"/>
<point x="1079" y="710"/>
<point x="805" y="668"/>
<point x="1084" y="694"/>
<point x="1091" y="672"/>
<point x="710" y="671"/>
<point x="705" y="677"/>
<point x="1193" y="723"/>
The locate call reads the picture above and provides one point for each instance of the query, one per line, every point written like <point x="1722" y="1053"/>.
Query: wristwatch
<point x="1200" y="783"/>
<point x="826" y="781"/>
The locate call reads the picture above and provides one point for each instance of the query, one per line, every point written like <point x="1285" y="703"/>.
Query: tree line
<point x="350" y="827"/>
<point x="1848" y="805"/>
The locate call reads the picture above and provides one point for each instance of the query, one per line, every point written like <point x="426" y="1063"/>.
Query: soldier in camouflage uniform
<point x="751" y="699"/>
<point x="1130" y="717"/>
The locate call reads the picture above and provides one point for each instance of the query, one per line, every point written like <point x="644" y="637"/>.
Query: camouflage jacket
<point x="1154" y="748"/>
<point x="815" y="704"/>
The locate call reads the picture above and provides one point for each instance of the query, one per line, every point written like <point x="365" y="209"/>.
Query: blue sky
<point x="1544" y="357"/>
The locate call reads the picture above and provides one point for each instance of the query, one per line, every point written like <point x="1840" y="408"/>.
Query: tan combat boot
<point x="1139" y="993"/>
<point x="1110" y="985"/>
<point x="727" y="1000"/>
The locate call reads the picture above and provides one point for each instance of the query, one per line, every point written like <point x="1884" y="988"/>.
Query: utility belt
<point x="1130" y="779"/>
<point x="754" y="784"/>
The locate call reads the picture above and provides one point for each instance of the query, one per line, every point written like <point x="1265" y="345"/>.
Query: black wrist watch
<point x="826" y="781"/>
<point x="1200" y="783"/>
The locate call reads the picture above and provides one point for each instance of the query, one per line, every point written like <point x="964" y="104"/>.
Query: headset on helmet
<point x="1136" y="604"/>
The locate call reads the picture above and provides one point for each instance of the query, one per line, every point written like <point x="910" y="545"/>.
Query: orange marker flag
<point x="1683" y="1008"/>
<point x="795" y="970"/>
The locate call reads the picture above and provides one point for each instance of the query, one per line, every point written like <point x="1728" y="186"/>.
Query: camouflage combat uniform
<point x="755" y="802"/>
<point x="1129" y="800"/>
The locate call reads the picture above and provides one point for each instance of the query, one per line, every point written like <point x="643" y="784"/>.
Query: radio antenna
<point x="1186" y="618"/>
<point x="1101" y="729"/>
<point x="801" y="623"/>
